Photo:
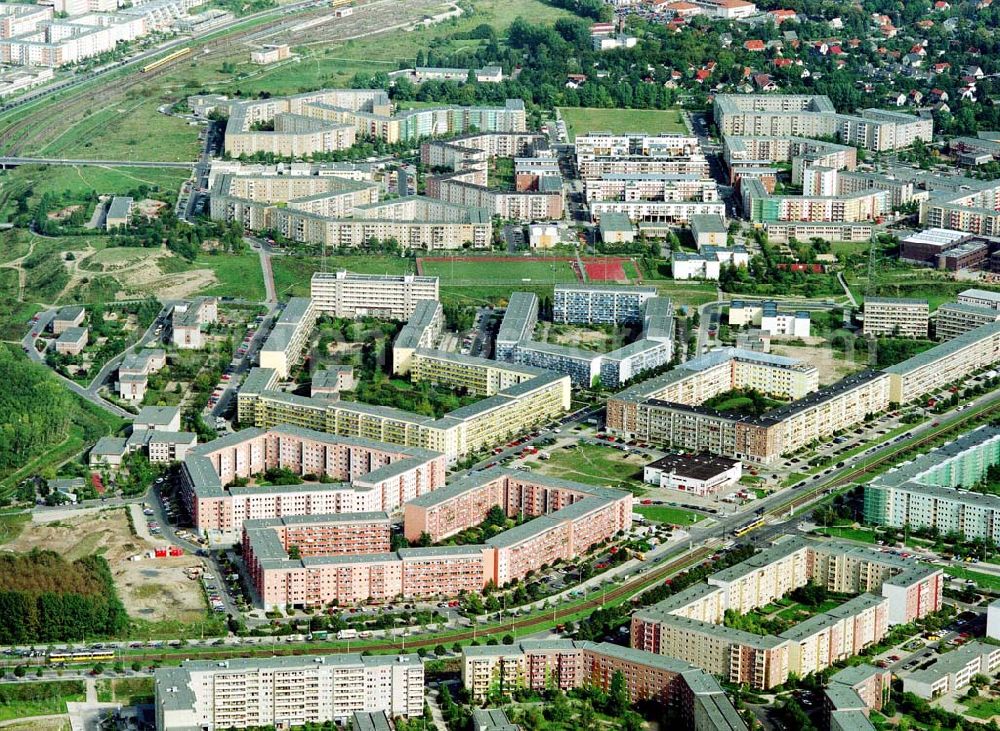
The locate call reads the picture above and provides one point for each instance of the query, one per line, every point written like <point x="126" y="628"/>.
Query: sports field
<point x="497" y="270"/>
<point x="582" y="120"/>
<point x="621" y="271"/>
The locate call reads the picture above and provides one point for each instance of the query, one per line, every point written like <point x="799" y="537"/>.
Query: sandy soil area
<point x="152" y="589"/>
<point x="830" y="363"/>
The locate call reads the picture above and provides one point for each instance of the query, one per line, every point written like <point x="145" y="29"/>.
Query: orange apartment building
<point x="570" y="519"/>
<point x="694" y="696"/>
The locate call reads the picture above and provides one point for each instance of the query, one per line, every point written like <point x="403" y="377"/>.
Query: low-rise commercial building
<point x="953" y="671"/>
<point x="271" y="53"/>
<point x="287" y="691"/>
<point x="709" y="231"/>
<point x="67" y="317"/>
<point x="72" y="341"/>
<point x="767" y="316"/>
<point x="896" y="316"/>
<point x="119" y="212"/>
<point x="697" y="474"/>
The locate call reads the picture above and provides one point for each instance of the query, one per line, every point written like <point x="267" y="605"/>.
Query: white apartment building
<point x="387" y="296"/>
<point x="283" y="347"/>
<point x="286" y="691"/>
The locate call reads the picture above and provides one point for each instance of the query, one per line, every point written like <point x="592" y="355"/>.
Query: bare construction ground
<point x="152" y="589"/>
<point x="832" y="364"/>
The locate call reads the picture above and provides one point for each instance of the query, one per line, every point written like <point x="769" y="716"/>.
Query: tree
<point x="618" y="701"/>
<point x="20" y="671"/>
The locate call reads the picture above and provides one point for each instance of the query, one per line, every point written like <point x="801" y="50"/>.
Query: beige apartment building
<point x="896" y="316"/>
<point x="689" y="625"/>
<point x="932" y="369"/>
<point x="956" y="318"/>
<point x="482" y="425"/>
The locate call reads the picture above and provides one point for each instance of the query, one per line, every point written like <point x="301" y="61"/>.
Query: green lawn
<point x="982" y="707"/>
<point x="595" y="465"/>
<point x="582" y="120"/>
<point x="983" y="581"/>
<point x="239" y="275"/>
<point x="686" y="293"/>
<point x="292" y="273"/>
<point x="664" y="514"/>
<point x="122" y="133"/>
<point x="513" y="271"/>
<point x="854" y="534"/>
<point x="82" y="179"/>
<point x="11" y="525"/>
<point x="23" y="700"/>
<point x="127" y="691"/>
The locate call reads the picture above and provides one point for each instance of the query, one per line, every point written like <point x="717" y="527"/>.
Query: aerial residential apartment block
<point x="286" y="691"/>
<point x="596" y="304"/>
<point x="187" y="319"/>
<point x="784" y="115"/>
<point x="927" y="492"/>
<point x="694" y="697"/>
<point x="346" y="559"/>
<point x="341" y="208"/>
<point x="689" y="625"/>
<point x="372" y="477"/>
<point x="896" y="316"/>
<point x="134" y="372"/>
<point x="420" y="332"/>
<point x="957" y="318"/>
<point x="284" y="345"/>
<point x="331" y="119"/>
<point x="653" y="348"/>
<point x="385" y="296"/>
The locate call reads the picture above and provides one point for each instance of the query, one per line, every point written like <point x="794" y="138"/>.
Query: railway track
<point x="12" y="138"/>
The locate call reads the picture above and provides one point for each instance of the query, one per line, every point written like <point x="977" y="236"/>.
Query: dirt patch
<point x="150" y="208"/>
<point x="152" y="589"/>
<point x="830" y="363"/>
<point x="63" y="213"/>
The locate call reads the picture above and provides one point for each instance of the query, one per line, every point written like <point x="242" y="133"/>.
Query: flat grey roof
<point x="120" y="207"/>
<point x="945" y="349"/>
<point x="157" y="415"/>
